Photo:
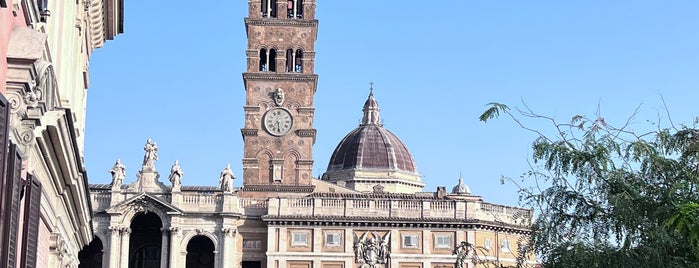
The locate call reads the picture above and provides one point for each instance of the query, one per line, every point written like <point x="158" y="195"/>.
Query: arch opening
<point x="200" y="252"/>
<point x="145" y="241"/>
<point x="91" y="255"/>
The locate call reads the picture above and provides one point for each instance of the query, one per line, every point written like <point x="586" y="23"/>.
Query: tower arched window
<point x="268" y="8"/>
<point x="268" y="60"/>
<point x="294" y="9"/>
<point x="294" y="61"/>
<point x="272" y="60"/>
<point x="298" y="66"/>
<point x="289" y="60"/>
<point x="263" y="60"/>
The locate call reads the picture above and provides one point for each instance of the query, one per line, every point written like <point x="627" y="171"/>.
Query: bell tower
<point x="279" y="87"/>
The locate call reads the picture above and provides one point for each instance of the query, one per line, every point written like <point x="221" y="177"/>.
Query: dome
<point x="461" y="188"/>
<point x="371" y="147"/>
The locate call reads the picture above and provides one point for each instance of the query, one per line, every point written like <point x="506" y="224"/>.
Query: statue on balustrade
<point x="151" y="154"/>
<point x="176" y="176"/>
<point x="118" y="172"/>
<point x="226" y="179"/>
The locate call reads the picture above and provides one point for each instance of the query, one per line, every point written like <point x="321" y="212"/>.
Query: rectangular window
<point x="332" y="239"/>
<point x="299" y="239"/>
<point x="442" y="241"/>
<point x="505" y="245"/>
<point x="487" y="244"/>
<point x="252" y="244"/>
<point x="410" y="241"/>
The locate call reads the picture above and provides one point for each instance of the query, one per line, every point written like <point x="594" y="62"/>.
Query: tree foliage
<point x="608" y="196"/>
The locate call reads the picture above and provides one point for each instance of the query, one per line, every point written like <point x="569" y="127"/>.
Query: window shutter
<point x="4" y="130"/>
<point x="32" y="209"/>
<point x="13" y="197"/>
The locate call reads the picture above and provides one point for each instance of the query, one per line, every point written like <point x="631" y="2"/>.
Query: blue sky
<point x="175" y="76"/>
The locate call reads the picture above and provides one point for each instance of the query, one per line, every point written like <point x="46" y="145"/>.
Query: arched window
<point x="289" y="60"/>
<point x="294" y="9"/>
<point x="298" y="66"/>
<point x="272" y="60"/>
<point x="269" y="8"/>
<point x="268" y="60"/>
<point x="294" y="61"/>
<point x="263" y="60"/>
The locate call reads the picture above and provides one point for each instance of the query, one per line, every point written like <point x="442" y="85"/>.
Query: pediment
<point x="144" y="202"/>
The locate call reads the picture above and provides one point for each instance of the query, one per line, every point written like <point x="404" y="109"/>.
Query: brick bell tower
<point x="279" y="87"/>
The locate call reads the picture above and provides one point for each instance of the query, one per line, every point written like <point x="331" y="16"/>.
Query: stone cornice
<point x="105" y="20"/>
<point x="278" y="188"/>
<point x="281" y="22"/>
<point x="281" y="77"/>
<point x="393" y="222"/>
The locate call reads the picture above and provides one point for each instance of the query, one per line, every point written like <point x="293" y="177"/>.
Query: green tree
<point x="607" y="196"/>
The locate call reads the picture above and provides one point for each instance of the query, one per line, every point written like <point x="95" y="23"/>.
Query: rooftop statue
<point x="226" y="179"/>
<point x="151" y="154"/>
<point x="118" y="172"/>
<point x="176" y="176"/>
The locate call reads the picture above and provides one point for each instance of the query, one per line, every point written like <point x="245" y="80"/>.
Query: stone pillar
<point x="174" y="232"/>
<point x="125" y="236"/>
<point x="395" y="244"/>
<point x="470" y="238"/>
<point x="427" y="245"/>
<point x="274" y="242"/>
<point x="164" y="248"/>
<point x="317" y="240"/>
<point x="228" y="250"/>
<point x="114" y="246"/>
<point x="283" y="235"/>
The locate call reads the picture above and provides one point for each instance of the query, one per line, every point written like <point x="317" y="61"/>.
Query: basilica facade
<point x="369" y="210"/>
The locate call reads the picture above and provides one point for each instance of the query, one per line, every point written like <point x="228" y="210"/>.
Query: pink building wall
<point x="8" y="21"/>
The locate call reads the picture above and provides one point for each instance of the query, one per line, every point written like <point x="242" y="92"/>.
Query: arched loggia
<point x="145" y="241"/>
<point x="200" y="252"/>
<point x="91" y="255"/>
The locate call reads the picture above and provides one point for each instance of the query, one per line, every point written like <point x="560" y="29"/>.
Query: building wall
<point x="44" y="77"/>
<point x="293" y="232"/>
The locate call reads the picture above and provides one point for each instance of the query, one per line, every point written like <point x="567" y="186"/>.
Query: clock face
<point x="278" y="121"/>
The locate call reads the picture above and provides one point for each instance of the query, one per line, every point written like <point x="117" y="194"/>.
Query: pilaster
<point x="164" y="249"/>
<point x="125" y="251"/>
<point x="174" y="250"/>
<point x="114" y="246"/>
<point x="228" y="249"/>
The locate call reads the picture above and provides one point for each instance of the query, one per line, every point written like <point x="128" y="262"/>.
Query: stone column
<point x="228" y="235"/>
<point x="174" y="231"/>
<point x="125" y="236"/>
<point x="114" y="246"/>
<point x="164" y="248"/>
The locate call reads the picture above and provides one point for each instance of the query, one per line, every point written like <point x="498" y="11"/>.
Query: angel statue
<point x="372" y="252"/>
